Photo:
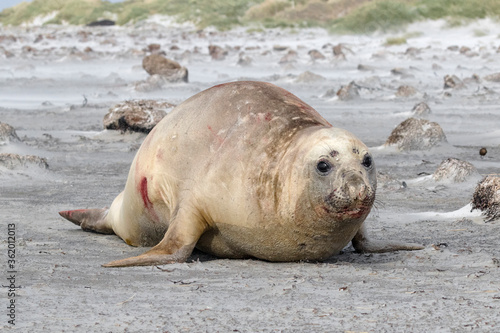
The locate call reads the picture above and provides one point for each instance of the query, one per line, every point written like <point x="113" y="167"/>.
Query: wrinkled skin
<point x="243" y="169"/>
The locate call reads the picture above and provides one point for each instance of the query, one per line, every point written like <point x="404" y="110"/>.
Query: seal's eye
<point x="367" y="161"/>
<point x="324" y="167"/>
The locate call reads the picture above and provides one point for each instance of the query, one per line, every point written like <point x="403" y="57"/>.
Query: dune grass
<point x="75" y="12"/>
<point x="387" y="15"/>
<point x="223" y="14"/>
<point x="341" y="16"/>
<point x="375" y="16"/>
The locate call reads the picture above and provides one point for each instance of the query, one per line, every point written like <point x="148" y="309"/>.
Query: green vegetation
<point x="71" y="11"/>
<point x="341" y="16"/>
<point x="223" y="14"/>
<point x="389" y="15"/>
<point x="374" y="16"/>
<point x="395" y="41"/>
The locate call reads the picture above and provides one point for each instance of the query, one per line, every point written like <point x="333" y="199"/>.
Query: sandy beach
<point x="56" y="85"/>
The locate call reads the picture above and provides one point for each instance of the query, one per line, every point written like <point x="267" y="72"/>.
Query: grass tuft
<point x="386" y="15"/>
<point x="395" y="41"/>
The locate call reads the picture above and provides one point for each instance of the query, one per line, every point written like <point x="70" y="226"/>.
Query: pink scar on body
<point x="217" y="136"/>
<point x="143" y="189"/>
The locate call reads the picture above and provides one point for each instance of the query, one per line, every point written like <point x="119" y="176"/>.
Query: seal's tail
<point x="89" y="219"/>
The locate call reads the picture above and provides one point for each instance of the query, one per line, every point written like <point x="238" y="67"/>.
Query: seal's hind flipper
<point x="89" y="219"/>
<point x="362" y="244"/>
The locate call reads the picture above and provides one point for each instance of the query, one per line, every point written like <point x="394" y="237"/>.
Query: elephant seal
<point x="242" y="170"/>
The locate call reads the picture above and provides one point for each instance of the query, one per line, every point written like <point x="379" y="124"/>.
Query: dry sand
<point x="453" y="285"/>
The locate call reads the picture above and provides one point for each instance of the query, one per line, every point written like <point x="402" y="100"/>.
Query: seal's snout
<point x="355" y="188"/>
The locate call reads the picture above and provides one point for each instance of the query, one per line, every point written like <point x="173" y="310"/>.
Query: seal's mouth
<point x="343" y="207"/>
<point x="355" y="213"/>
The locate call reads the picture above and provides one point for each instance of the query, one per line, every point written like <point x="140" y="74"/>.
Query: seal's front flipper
<point x="89" y="219"/>
<point x="154" y="257"/>
<point x="177" y="245"/>
<point x="364" y="245"/>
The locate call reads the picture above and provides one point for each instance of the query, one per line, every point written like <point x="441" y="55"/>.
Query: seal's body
<point x="243" y="169"/>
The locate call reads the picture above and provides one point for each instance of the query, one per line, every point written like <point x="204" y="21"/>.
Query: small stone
<point x="452" y="82"/>
<point x="101" y="23"/>
<point x="455" y="170"/>
<point x="244" y="60"/>
<point x="136" y="115"/>
<point x="436" y="67"/>
<point x="421" y="109"/>
<point x="7" y="134"/>
<point x="412" y="51"/>
<point x="464" y="49"/>
<point x="217" y="52"/>
<point x="406" y="91"/>
<point x="15" y="161"/>
<point x="38" y="39"/>
<point x="316" y="55"/>
<point x="154" y="47"/>
<point x="416" y="134"/>
<point x="365" y="68"/>
<point x="495" y="77"/>
<point x="400" y="71"/>
<point x="330" y="93"/>
<point x="279" y="48"/>
<point x="486" y="197"/>
<point x="171" y="70"/>
<point x="348" y="92"/>
<point x="337" y="50"/>
<point x="340" y="50"/>
<point x="288" y="58"/>
<point x="309" y="77"/>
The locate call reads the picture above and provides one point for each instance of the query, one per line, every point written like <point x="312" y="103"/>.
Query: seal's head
<point x="341" y="173"/>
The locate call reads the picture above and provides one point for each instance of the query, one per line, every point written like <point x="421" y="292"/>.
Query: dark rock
<point x="101" y="23"/>
<point x="486" y="197"/>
